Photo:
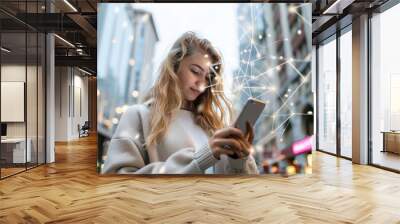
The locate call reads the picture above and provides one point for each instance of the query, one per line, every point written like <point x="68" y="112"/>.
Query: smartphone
<point x="250" y="113"/>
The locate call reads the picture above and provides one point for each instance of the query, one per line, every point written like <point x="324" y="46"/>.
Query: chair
<point x="84" y="130"/>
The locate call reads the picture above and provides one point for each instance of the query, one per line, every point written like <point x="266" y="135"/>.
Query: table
<point x="13" y="150"/>
<point x="391" y="141"/>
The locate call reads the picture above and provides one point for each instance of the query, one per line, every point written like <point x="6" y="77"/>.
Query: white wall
<point x="79" y="117"/>
<point x="61" y="103"/>
<point x="16" y="73"/>
<point x="33" y="126"/>
<point x="70" y="83"/>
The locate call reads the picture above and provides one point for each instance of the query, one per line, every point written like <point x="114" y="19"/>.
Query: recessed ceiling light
<point x="64" y="40"/>
<point x="84" y="71"/>
<point x="70" y="5"/>
<point x="5" y="50"/>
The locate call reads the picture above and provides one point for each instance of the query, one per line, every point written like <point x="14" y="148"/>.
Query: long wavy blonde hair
<point x="212" y="110"/>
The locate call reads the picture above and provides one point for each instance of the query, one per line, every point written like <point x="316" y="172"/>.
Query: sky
<point x="216" y="22"/>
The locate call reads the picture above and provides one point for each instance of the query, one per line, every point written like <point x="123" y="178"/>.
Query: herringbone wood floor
<point x="70" y="191"/>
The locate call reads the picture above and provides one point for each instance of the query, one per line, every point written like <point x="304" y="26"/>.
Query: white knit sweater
<point x="183" y="150"/>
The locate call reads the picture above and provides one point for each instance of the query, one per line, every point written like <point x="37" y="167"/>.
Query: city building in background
<point x="125" y="61"/>
<point x="275" y="66"/>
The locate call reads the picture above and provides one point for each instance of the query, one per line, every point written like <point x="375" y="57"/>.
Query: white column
<point x="360" y="90"/>
<point x="50" y="100"/>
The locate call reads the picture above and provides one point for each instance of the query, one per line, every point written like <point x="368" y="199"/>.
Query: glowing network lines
<point x="268" y="67"/>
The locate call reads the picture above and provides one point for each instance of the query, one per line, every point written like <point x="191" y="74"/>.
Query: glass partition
<point x="22" y="88"/>
<point x="14" y="152"/>
<point x="327" y="96"/>
<point x="346" y="94"/>
<point x="385" y="89"/>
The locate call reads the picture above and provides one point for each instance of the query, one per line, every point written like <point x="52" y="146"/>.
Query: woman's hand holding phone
<point x="232" y="142"/>
<point x="249" y="137"/>
<point x="246" y="143"/>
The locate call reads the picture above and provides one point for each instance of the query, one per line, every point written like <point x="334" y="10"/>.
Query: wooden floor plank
<point x="70" y="191"/>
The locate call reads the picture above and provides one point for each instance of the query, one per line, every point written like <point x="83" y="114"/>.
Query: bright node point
<point x="202" y="88"/>
<point x="299" y="32"/>
<point x="115" y="120"/>
<point x="131" y="38"/>
<point x="135" y="93"/>
<point x="292" y="9"/>
<point x="124" y="107"/>
<point x="118" y="110"/>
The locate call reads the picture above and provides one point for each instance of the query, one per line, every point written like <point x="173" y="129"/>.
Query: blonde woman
<point x="183" y="128"/>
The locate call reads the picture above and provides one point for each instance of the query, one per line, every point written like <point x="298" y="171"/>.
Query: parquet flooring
<point x="70" y="191"/>
<point x="9" y="171"/>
